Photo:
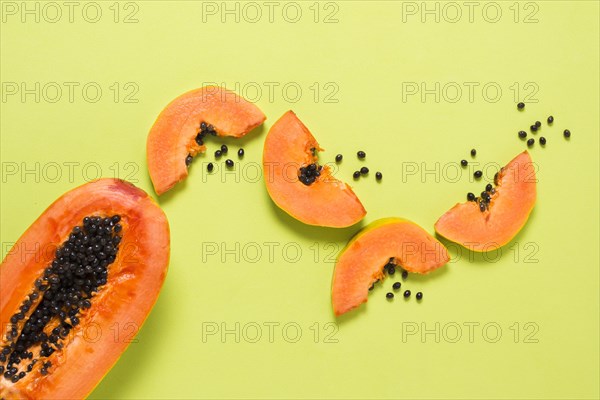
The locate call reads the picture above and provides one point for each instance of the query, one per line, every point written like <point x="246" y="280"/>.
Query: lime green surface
<point x="544" y="286"/>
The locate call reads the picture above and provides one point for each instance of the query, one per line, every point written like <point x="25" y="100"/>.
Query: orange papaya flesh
<point x="299" y="185"/>
<point x="487" y="225"/>
<point x="95" y="259"/>
<point x="182" y="127"/>
<point x="391" y="240"/>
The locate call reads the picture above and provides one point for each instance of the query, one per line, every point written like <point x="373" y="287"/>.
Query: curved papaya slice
<point x="179" y="131"/>
<point x="95" y="259"/>
<point x="299" y="185"/>
<point x="483" y="226"/>
<point x="360" y="264"/>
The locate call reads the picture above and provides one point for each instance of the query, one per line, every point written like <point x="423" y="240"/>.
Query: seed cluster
<point x="65" y="289"/>
<point x="486" y="196"/>
<point x="310" y="173"/>
<point x="204" y="131"/>
<point x="390" y="269"/>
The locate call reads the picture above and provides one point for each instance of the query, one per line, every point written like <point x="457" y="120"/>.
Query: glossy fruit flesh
<point x="83" y="276"/>
<point x="361" y="262"/>
<point x="507" y="210"/>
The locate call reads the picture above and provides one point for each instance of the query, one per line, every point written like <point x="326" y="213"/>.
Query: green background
<point x="544" y="285"/>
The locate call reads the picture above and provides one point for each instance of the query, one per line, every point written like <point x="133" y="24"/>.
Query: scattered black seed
<point x="473" y="152"/>
<point x="533" y="128"/>
<point x="567" y="133"/>
<point x="218" y="153"/>
<point x="419" y="295"/>
<point x="478" y="174"/>
<point x="378" y="176"/>
<point x="229" y="163"/>
<point x="241" y="153"/>
<point x="550" y="119"/>
<point x="407" y="293"/>
<point x="339" y="158"/>
<point x="542" y="140"/>
<point x="470" y="196"/>
<point x="224" y="149"/>
<point x="464" y="163"/>
<point x="521" y="106"/>
<point x="309" y="174"/>
<point x="389" y="295"/>
<point x="210" y="167"/>
<point x="522" y="134"/>
<point x="364" y="171"/>
<point x="356" y="174"/>
<point x="530" y="142"/>
<point x="372" y="287"/>
<point x="404" y="275"/>
<point x="396" y="285"/>
<point x="188" y="160"/>
<point x="488" y="187"/>
<point x="361" y="154"/>
<point x="391" y="270"/>
<point x="538" y="123"/>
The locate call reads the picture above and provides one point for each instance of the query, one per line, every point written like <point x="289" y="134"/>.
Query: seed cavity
<point x="309" y="174"/>
<point x="60" y="297"/>
<point x="205" y="129"/>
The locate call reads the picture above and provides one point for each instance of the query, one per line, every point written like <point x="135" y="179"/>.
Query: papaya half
<point x="179" y="131"/>
<point x="299" y="185"/>
<point x="94" y="260"/>
<point x="390" y="240"/>
<point x="491" y="221"/>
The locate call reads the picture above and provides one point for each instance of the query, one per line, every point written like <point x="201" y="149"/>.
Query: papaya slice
<point x="94" y="260"/>
<point x="299" y="185"/>
<point x="179" y="131"/>
<point x="491" y="221"/>
<point x="390" y="240"/>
